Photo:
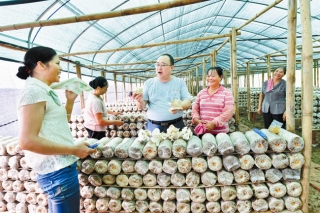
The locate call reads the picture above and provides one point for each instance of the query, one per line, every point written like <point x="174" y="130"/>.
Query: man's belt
<point x="166" y="123"/>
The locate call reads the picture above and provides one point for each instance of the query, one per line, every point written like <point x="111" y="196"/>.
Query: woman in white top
<point x="44" y="133"/>
<point x="96" y="112"/>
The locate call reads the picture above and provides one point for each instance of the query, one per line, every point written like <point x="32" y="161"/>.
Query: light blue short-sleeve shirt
<point x="159" y="96"/>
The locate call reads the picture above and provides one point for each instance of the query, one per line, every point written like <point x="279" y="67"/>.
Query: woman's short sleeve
<point x="32" y="95"/>
<point x="97" y="106"/>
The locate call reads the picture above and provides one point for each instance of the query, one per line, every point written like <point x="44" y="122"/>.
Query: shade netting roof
<point x="267" y="34"/>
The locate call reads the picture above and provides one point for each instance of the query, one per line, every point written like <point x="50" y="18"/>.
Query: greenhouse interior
<point x="206" y="146"/>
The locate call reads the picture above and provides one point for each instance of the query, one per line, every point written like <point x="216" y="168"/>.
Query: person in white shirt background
<point x="96" y="113"/>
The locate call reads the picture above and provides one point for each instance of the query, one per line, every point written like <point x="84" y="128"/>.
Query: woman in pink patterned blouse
<point x="214" y="105"/>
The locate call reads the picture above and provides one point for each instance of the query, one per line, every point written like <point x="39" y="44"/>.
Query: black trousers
<point x="95" y="134"/>
<point x="151" y="126"/>
<point x="268" y="118"/>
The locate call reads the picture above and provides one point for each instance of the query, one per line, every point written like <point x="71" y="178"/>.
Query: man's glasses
<point x="161" y="65"/>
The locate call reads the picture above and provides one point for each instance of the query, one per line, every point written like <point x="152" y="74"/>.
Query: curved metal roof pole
<point x="123" y="44"/>
<point x="291" y="65"/>
<point x="150" y="45"/>
<point x="42" y="14"/>
<point x="307" y="99"/>
<point x="133" y="38"/>
<point x="259" y="14"/>
<point x="96" y="16"/>
<point x="168" y="32"/>
<point x="94" y="56"/>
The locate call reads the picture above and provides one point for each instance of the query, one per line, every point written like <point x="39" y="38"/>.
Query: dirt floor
<point x="314" y="194"/>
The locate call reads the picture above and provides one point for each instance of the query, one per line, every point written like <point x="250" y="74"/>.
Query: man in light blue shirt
<point x="159" y="92"/>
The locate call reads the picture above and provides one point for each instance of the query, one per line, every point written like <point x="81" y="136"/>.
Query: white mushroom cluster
<point x="172" y="134"/>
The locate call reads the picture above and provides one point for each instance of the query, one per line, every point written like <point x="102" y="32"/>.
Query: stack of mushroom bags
<point x="179" y="172"/>
<point x="19" y="191"/>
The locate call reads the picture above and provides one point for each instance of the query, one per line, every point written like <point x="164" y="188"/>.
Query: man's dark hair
<point x="170" y="57"/>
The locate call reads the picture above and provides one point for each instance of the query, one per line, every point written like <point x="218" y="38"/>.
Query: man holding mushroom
<point x="166" y="96"/>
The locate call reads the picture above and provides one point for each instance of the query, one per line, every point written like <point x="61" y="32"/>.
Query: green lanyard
<point x="55" y="97"/>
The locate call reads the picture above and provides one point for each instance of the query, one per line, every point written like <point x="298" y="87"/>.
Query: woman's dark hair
<point x="31" y="58"/>
<point x="170" y="58"/>
<point x="218" y="69"/>
<point x="98" y="82"/>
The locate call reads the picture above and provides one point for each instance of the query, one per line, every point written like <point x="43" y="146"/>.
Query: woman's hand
<point x="198" y="121"/>
<point x="82" y="150"/>
<point x="284" y="116"/>
<point x="210" y="126"/>
<point x="259" y="111"/>
<point x="118" y="122"/>
<point x="71" y="96"/>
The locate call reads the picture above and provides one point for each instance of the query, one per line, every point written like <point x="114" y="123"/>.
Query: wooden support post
<point x="268" y="67"/>
<point x="136" y="80"/>
<point x="124" y="87"/>
<point x="104" y="97"/>
<point x="193" y="83"/>
<point x="291" y="65"/>
<point x="318" y="75"/>
<point x="214" y="58"/>
<point x="115" y="85"/>
<point x="252" y="79"/>
<point x="231" y="61"/>
<point x="235" y="85"/>
<point x="185" y="79"/>
<point x="248" y="91"/>
<point x="314" y="73"/>
<point x="131" y="84"/>
<point x="189" y="82"/>
<point x="225" y="79"/>
<point x="78" y="71"/>
<point x="197" y="79"/>
<point x="262" y="78"/>
<point x="307" y="99"/>
<point x="204" y="73"/>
